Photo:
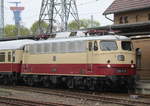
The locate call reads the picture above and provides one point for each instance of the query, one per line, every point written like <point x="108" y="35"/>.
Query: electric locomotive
<point x="97" y="62"/>
<point x="91" y="62"/>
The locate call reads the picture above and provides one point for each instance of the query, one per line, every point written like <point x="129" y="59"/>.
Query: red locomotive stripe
<point x="70" y="69"/>
<point x="8" y="67"/>
<point x="78" y="69"/>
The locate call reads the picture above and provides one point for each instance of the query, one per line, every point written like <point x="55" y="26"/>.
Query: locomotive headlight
<point x="120" y="57"/>
<point x="132" y="66"/>
<point x="109" y="66"/>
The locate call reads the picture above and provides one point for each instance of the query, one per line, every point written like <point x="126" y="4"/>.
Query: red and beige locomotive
<point x="97" y="62"/>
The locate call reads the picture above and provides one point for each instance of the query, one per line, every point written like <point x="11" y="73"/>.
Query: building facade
<point x="129" y="12"/>
<point x="132" y="17"/>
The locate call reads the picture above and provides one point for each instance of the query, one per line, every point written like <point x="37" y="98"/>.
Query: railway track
<point x="20" y="102"/>
<point x="86" y="96"/>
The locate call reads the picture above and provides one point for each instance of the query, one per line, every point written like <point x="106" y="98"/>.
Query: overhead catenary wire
<point x="88" y="2"/>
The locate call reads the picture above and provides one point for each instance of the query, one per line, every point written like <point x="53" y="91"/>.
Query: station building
<point x="132" y="19"/>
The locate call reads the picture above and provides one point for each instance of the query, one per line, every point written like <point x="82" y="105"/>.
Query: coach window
<point x="2" y="56"/>
<point x="90" y="46"/>
<point x="13" y="54"/>
<point x="9" y="56"/>
<point x="95" y="46"/>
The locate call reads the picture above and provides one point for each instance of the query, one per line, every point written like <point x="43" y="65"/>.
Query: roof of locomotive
<point x="19" y="44"/>
<point x="14" y="44"/>
<point x="105" y="37"/>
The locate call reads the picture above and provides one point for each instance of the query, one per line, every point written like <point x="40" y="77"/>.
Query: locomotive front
<point x="117" y="62"/>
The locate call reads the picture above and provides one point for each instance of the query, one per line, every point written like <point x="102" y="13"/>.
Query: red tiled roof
<point x="127" y="5"/>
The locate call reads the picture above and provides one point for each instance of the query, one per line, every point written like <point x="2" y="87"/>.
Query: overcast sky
<point x="86" y="8"/>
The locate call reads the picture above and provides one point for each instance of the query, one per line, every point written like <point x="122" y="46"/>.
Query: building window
<point x="137" y="16"/>
<point x="121" y="20"/>
<point x="2" y="57"/>
<point x="126" y="19"/>
<point x="149" y="17"/>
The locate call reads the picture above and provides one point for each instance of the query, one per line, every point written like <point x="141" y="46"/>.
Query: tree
<point x="84" y="23"/>
<point x="24" y="31"/>
<point x="11" y="30"/>
<point x="35" y="27"/>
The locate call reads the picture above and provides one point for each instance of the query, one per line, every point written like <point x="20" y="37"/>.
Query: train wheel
<point x="92" y="86"/>
<point x="5" y="80"/>
<point x="88" y="83"/>
<point x="70" y="83"/>
<point x="46" y="83"/>
<point x="30" y="82"/>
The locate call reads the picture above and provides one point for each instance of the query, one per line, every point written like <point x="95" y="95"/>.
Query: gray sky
<point x="86" y="8"/>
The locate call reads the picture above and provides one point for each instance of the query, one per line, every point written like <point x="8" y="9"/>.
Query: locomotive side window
<point x="26" y="49"/>
<point x="71" y="46"/>
<point x="90" y="46"/>
<point x="39" y="48"/>
<point x="108" y="45"/>
<point x="81" y="46"/>
<point x="2" y="57"/>
<point x="32" y="49"/>
<point x="46" y="48"/>
<point x="62" y="47"/>
<point x="126" y="45"/>
<point x="57" y="47"/>
<point x="95" y="46"/>
<point x="53" y="50"/>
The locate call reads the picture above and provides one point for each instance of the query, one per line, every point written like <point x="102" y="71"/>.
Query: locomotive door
<point x="89" y="56"/>
<point x="12" y="55"/>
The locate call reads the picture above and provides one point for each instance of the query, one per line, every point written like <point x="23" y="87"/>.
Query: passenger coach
<point x="11" y="53"/>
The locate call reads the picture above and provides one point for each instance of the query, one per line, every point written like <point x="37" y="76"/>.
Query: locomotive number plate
<point x="121" y="71"/>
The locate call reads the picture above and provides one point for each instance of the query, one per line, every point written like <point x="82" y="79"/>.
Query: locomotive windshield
<point x="126" y="45"/>
<point x="108" y="45"/>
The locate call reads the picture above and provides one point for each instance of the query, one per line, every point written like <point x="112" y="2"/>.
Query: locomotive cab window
<point x="95" y="46"/>
<point x="108" y="45"/>
<point x="90" y="46"/>
<point x="126" y="45"/>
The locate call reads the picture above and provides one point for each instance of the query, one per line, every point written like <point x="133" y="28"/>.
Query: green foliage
<point x="11" y="31"/>
<point x="24" y="31"/>
<point x="35" y="27"/>
<point x="84" y="23"/>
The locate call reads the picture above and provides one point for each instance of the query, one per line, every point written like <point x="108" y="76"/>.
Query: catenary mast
<point x="56" y="13"/>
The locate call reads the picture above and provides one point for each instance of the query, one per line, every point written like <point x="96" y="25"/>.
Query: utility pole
<point x="92" y="21"/>
<point x="57" y="13"/>
<point x="1" y="18"/>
